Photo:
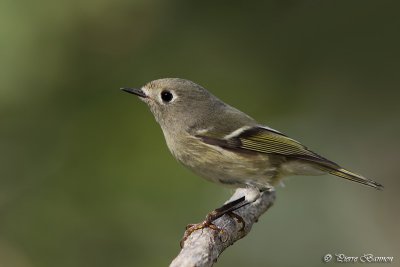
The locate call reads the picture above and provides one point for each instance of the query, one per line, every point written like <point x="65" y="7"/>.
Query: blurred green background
<point x="86" y="178"/>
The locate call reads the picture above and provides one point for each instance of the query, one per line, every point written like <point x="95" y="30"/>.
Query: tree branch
<point x="203" y="247"/>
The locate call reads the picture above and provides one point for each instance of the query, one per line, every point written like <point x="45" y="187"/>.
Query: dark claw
<point x="190" y="228"/>
<point x="227" y="208"/>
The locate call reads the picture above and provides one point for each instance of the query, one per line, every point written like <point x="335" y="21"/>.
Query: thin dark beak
<point x="135" y="91"/>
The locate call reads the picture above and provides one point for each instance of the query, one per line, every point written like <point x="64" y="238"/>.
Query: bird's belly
<point x="236" y="174"/>
<point x="227" y="167"/>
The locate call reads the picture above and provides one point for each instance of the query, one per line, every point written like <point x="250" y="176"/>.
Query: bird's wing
<point x="259" y="139"/>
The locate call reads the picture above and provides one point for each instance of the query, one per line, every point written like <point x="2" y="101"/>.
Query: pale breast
<point x="222" y="166"/>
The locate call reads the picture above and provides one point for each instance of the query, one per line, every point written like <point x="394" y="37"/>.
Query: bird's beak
<point x="135" y="91"/>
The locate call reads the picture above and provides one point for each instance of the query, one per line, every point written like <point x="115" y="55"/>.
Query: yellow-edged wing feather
<point x="269" y="141"/>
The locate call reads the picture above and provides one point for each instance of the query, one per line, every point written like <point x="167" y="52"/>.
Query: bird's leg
<point x="227" y="208"/>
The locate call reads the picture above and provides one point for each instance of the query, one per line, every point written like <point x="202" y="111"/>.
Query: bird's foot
<point x="227" y="208"/>
<point x="199" y="226"/>
<point x="208" y="223"/>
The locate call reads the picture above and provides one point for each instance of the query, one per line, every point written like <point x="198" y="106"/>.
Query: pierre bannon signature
<point x="366" y="258"/>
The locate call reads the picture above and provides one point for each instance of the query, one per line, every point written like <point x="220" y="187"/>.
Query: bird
<point x="226" y="146"/>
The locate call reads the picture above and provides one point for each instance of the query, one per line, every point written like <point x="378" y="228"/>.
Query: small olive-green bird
<point x="226" y="146"/>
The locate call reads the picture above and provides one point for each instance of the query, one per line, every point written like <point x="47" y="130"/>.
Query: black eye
<point x="166" y="96"/>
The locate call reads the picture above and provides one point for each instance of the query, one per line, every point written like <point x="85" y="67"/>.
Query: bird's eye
<point x="166" y="96"/>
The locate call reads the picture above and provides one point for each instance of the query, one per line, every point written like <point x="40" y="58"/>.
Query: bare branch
<point x="203" y="247"/>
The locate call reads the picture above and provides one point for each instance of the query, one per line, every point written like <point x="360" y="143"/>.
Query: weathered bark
<point x="203" y="247"/>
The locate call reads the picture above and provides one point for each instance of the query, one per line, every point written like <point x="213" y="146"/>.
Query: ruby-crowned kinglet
<point x="226" y="146"/>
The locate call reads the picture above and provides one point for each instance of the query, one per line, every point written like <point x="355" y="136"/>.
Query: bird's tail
<point x="343" y="173"/>
<point x="332" y="168"/>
